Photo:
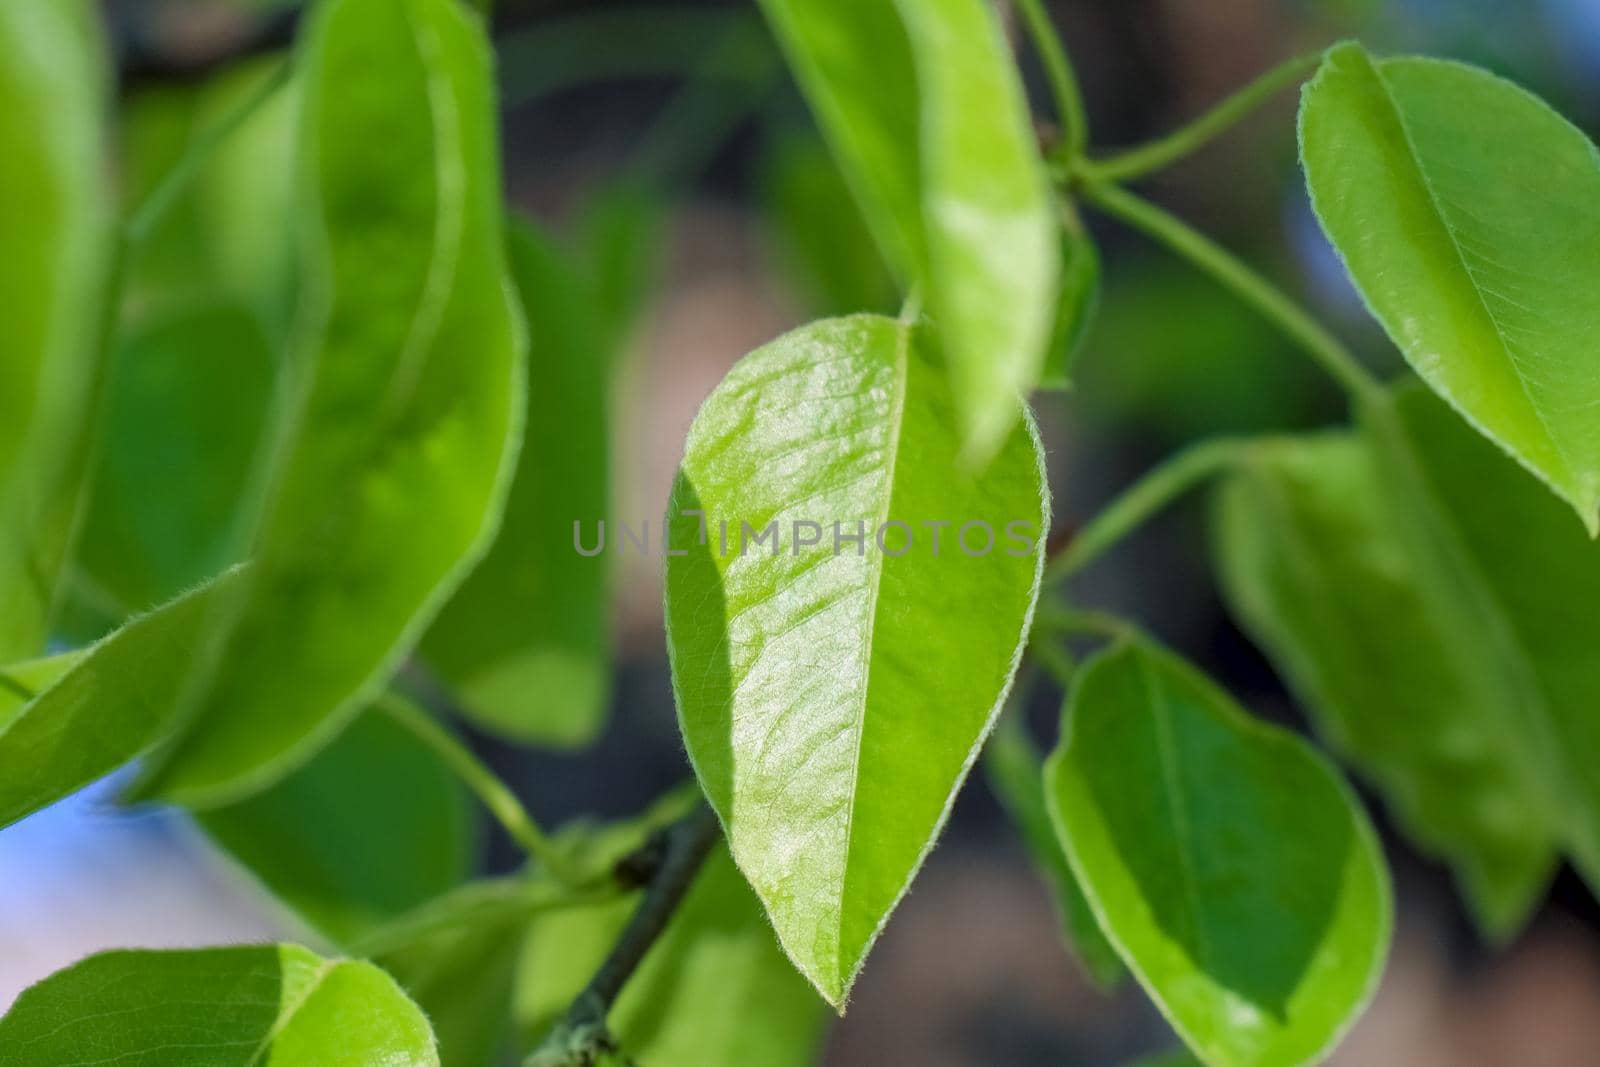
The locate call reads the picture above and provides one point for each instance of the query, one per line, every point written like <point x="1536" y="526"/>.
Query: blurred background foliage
<point x="687" y="212"/>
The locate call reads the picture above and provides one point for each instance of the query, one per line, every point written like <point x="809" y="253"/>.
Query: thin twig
<point x="1063" y="81"/>
<point x="1229" y="270"/>
<point x="1148" y="158"/>
<point x="501" y="802"/>
<point x="582" y="1038"/>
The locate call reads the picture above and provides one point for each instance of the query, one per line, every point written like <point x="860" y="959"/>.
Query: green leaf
<point x="373" y="826"/>
<point x="187" y="409"/>
<point x="524" y="644"/>
<point x="1468" y="214"/>
<point x="1015" y="771"/>
<point x="922" y="105"/>
<point x="118" y="699"/>
<point x="55" y="214"/>
<point x="220" y="1007"/>
<point x="718" y="950"/>
<point x="460" y="966"/>
<point x="833" y="698"/>
<point x="817" y="231"/>
<point x="225" y="234"/>
<point x="1519" y="582"/>
<point x="21" y="682"/>
<point x="409" y="394"/>
<point x="1077" y="300"/>
<point x="1315" y="566"/>
<point x="1227" y="861"/>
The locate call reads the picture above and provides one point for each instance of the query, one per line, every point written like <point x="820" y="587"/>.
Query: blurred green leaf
<point x="1077" y="300"/>
<point x="187" y="410"/>
<point x="1518" y="581"/>
<point x="718" y="951"/>
<point x="225" y="236"/>
<point x="819" y="234"/>
<point x="409" y="396"/>
<point x="374" y="825"/>
<point x="1229" y="863"/>
<point x="218" y="1007"/>
<point x="923" y="107"/>
<point x="21" y="682"/>
<point x="1468" y="214"/>
<point x="460" y="969"/>
<point x="1315" y="567"/>
<point x="833" y="701"/>
<point x="1171" y="357"/>
<point x="1015" y="771"/>
<point x="55" y="215"/>
<point x="118" y="699"/>
<point x="524" y="644"/>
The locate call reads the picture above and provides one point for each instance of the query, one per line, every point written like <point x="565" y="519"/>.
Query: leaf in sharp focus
<point x="1228" y="862"/>
<point x="373" y="826"/>
<point x="188" y="404"/>
<point x="118" y="699"/>
<point x="56" y="218"/>
<point x="524" y="644"/>
<point x="1522" y="581"/>
<point x="220" y="1007"/>
<point x="1468" y="214"/>
<point x="922" y="105"/>
<point x="1016" y="774"/>
<point x="392" y="481"/>
<point x="817" y="231"/>
<point x="718" y="950"/>
<point x="1314" y="566"/>
<point x="1077" y="299"/>
<point x="832" y="700"/>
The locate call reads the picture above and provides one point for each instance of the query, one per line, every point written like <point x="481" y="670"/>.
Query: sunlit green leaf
<point x="1468" y="214"/>
<point x="1314" y="565"/>
<point x="373" y="826"/>
<point x="1518" y="581"/>
<point x="524" y="642"/>
<point x="54" y="213"/>
<point x="186" y="414"/>
<point x="409" y="395"/>
<point x="834" y="694"/>
<point x="222" y="1007"/>
<point x="923" y="107"/>
<point x="1016" y="773"/>
<point x="718" y="950"/>
<point x="1230" y="864"/>
<point x="119" y="698"/>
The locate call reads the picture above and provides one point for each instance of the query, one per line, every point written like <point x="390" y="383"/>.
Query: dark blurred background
<point x="687" y="106"/>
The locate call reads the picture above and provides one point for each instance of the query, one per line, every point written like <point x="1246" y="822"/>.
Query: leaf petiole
<point x="1233" y="274"/>
<point x="1158" y="154"/>
<point x="501" y="802"/>
<point x="1160" y="487"/>
<point x="1063" y="82"/>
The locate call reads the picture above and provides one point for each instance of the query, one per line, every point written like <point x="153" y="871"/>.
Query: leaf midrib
<point x="902" y="352"/>
<point x="285" y="1018"/>
<point x="1426" y="182"/>
<point x="1172" y="792"/>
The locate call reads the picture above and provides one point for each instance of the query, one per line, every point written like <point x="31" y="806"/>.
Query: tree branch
<point x="581" y="1038"/>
